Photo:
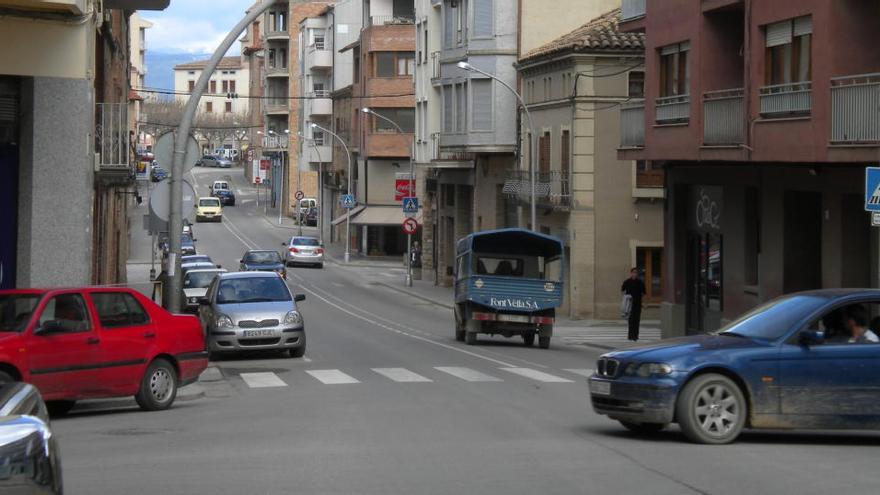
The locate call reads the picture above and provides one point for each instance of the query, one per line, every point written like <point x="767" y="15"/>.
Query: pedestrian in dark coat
<point x="635" y="288"/>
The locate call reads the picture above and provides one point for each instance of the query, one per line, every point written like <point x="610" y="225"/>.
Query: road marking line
<point x="332" y="377"/>
<point x="537" y="375"/>
<point x="262" y="380"/>
<point x="467" y="374"/>
<point x="587" y="372"/>
<point x="401" y="375"/>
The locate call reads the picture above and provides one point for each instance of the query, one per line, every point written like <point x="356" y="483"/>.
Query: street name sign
<point x="348" y="201"/>
<point x="872" y="189"/>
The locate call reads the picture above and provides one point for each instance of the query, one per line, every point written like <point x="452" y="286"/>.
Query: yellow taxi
<point x="208" y="209"/>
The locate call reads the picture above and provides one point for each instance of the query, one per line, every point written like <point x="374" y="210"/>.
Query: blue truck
<point x="508" y="282"/>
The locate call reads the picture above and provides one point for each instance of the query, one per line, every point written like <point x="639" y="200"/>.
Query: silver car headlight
<point x="224" y="321"/>
<point x="193" y="300"/>
<point x="653" y="369"/>
<point x="293" y="318"/>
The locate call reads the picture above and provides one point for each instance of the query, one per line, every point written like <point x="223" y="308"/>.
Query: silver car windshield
<point x="252" y="290"/>
<point x="198" y="280"/>
<point x="305" y="241"/>
<point x="263" y="257"/>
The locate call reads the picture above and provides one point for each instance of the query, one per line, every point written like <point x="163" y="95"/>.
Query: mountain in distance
<point x="160" y="67"/>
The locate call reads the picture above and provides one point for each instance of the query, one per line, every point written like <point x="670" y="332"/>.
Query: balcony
<point x="320" y="104"/>
<point x="723" y="118"/>
<point x="632" y="124"/>
<point x="390" y="20"/>
<point x="277" y="72"/>
<point x="673" y="109"/>
<point x="77" y="7"/>
<point x="318" y="58"/>
<point x="785" y="100"/>
<point x="317" y="154"/>
<point x="276" y="106"/>
<point x="855" y="109"/>
<point x="435" y="68"/>
<point x="277" y="35"/>
<point x="632" y="10"/>
<point x="552" y="189"/>
<point x="275" y="143"/>
<point x="112" y="140"/>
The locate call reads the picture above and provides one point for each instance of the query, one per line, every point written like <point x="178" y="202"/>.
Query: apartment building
<point x="231" y="77"/>
<point x="253" y="56"/>
<point x="383" y="66"/>
<point x="607" y="216"/>
<point x="64" y="141"/>
<point x="137" y="34"/>
<point x="755" y="112"/>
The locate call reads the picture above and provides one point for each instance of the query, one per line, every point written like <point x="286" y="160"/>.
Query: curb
<point x="190" y="392"/>
<point x="277" y="226"/>
<point x="417" y="296"/>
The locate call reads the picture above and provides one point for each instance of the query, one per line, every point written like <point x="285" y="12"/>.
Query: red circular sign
<point x="299" y="195"/>
<point x="257" y="180"/>
<point x="410" y="226"/>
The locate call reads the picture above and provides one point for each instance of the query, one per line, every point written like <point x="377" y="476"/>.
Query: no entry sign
<point x="410" y="226"/>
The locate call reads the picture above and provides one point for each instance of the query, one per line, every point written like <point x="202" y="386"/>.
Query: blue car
<point x="226" y="196"/>
<point x="805" y="360"/>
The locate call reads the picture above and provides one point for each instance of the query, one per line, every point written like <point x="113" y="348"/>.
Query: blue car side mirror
<point x="811" y="337"/>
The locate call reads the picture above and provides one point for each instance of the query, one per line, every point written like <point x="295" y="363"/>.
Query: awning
<point x="382" y="215"/>
<point x="353" y="212"/>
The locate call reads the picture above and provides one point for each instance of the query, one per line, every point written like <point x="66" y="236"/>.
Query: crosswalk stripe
<point x="262" y="380"/>
<point x="332" y="377"/>
<point x="467" y="374"/>
<point x="587" y="372"/>
<point x="401" y="375"/>
<point x="537" y="375"/>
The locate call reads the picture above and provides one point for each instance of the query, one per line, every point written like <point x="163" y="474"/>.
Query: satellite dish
<point x="164" y="152"/>
<point x="160" y="205"/>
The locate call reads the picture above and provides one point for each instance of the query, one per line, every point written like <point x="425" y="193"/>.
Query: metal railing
<point x="552" y="189"/>
<point x="632" y="9"/>
<point x="855" y="109"/>
<point x="319" y="45"/>
<point x="111" y="136"/>
<point x="275" y="142"/>
<point x="632" y="124"/>
<point x="383" y="20"/>
<point x="275" y="104"/>
<point x="672" y="109"/>
<point x="435" y="65"/>
<point x="320" y="93"/>
<point x="786" y="99"/>
<point x="723" y="118"/>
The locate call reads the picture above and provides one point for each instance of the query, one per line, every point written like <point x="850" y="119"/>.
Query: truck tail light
<point x="543" y="320"/>
<point x="484" y="316"/>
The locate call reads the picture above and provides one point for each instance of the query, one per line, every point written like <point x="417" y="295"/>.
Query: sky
<point x="188" y="30"/>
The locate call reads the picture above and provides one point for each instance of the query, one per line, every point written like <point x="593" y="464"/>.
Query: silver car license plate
<point x="600" y="388"/>
<point x="257" y="333"/>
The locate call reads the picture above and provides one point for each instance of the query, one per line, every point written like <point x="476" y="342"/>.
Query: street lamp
<point x="412" y="187"/>
<point x="281" y="193"/>
<point x="348" y="214"/>
<point x="320" y="187"/>
<point x="533" y="149"/>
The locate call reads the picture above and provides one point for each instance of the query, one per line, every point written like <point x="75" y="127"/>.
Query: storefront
<point x="9" y="132"/>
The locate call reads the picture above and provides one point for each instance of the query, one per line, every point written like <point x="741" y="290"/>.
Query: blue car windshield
<point x="774" y="319"/>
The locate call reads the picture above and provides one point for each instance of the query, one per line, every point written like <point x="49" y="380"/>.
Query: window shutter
<point x="447" y="108"/>
<point x="778" y="34"/>
<point x="483" y="14"/>
<point x="482" y="104"/>
<point x="669" y="49"/>
<point x="461" y="96"/>
<point x="803" y="26"/>
<point x="448" y="26"/>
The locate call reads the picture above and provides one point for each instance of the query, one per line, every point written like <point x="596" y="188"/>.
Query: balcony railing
<point x="673" y="109"/>
<point x="552" y="189"/>
<point x="111" y="137"/>
<point x="632" y="124"/>
<point x="435" y="65"/>
<point x="384" y="20"/>
<point x="855" y="109"/>
<point x="723" y="118"/>
<point x="632" y="9"/>
<point x="276" y="105"/>
<point x="780" y="100"/>
<point x="275" y="142"/>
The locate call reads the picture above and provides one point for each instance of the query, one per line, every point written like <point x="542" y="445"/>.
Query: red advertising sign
<point x="264" y="164"/>
<point x="401" y="189"/>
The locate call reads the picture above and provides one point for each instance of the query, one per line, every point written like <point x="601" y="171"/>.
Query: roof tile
<point x="600" y="34"/>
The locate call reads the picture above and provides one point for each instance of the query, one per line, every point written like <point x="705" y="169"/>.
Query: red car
<point x="98" y="342"/>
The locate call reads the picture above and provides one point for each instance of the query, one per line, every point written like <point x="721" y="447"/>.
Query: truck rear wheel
<point x="470" y="338"/>
<point x="544" y="342"/>
<point x="529" y="339"/>
<point x="472" y="328"/>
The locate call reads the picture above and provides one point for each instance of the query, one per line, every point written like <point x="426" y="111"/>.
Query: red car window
<point x="66" y="313"/>
<point x="119" y="309"/>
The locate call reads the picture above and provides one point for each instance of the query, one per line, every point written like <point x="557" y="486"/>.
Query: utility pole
<point x="183" y="130"/>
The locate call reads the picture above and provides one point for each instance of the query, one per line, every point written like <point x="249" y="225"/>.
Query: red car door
<point x="63" y="349"/>
<point x="127" y="339"/>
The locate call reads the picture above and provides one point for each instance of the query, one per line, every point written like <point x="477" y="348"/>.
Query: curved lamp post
<point x="532" y="148"/>
<point x="348" y="214"/>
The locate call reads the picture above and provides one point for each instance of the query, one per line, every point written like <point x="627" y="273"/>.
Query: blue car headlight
<point x="645" y="370"/>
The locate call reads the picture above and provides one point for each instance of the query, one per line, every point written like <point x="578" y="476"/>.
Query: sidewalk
<point x="603" y="334"/>
<point x="139" y="260"/>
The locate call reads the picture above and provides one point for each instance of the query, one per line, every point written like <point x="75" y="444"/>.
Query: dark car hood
<point x="672" y="348"/>
<point x="263" y="266"/>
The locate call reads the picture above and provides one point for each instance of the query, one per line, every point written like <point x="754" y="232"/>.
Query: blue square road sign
<point x="410" y="205"/>
<point x="872" y="189"/>
<point x="348" y="201"/>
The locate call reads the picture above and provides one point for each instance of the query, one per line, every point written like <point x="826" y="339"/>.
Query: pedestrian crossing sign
<point x="410" y="205"/>
<point x="348" y="201"/>
<point x="872" y="189"/>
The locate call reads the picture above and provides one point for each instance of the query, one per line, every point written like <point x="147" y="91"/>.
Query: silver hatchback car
<point x="248" y="311"/>
<point x="305" y="251"/>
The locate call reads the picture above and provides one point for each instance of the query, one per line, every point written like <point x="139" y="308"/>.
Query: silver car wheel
<point x="717" y="410"/>
<point x="161" y="385"/>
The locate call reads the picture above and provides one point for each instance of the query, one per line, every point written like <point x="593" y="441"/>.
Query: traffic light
<point x="231" y="96"/>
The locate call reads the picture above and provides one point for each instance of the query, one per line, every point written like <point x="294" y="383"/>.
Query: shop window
<point x="649" y="261"/>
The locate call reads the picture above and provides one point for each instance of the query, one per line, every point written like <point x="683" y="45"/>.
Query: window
<point x="406" y="64"/>
<point x="225" y="86"/>
<point x="271" y="58"/>
<point x="752" y="237"/>
<point x="209" y="106"/>
<point x="788" y="51"/>
<point x="461" y="112"/>
<point x="192" y="86"/>
<point x="425" y="47"/>
<point x="118" y="309"/>
<point x="404" y="117"/>
<point x="318" y="137"/>
<point x="16" y="310"/>
<point x="212" y="87"/>
<point x="482" y="104"/>
<point x="65" y="313"/>
<point x="636" y="84"/>
<point x="282" y="56"/>
<point x="232" y="86"/>
<point x="461" y="22"/>
<point x="385" y="64"/>
<point x="191" y="73"/>
<point x="228" y="107"/>
<point x="565" y="158"/>
<point x="447" y="108"/>
<point x="649" y="261"/>
<point x="851" y="325"/>
<point x="319" y="41"/>
<point x="449" y="16"/>
<point x="483" y="17"/>
<point x="544" y="153"/>
<point x="502" y="267"/>
<point x="674" y="70"/>
<point x="649" y="174"/>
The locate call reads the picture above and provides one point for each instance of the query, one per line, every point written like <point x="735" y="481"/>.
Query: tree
<point x="211" y="129"/>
